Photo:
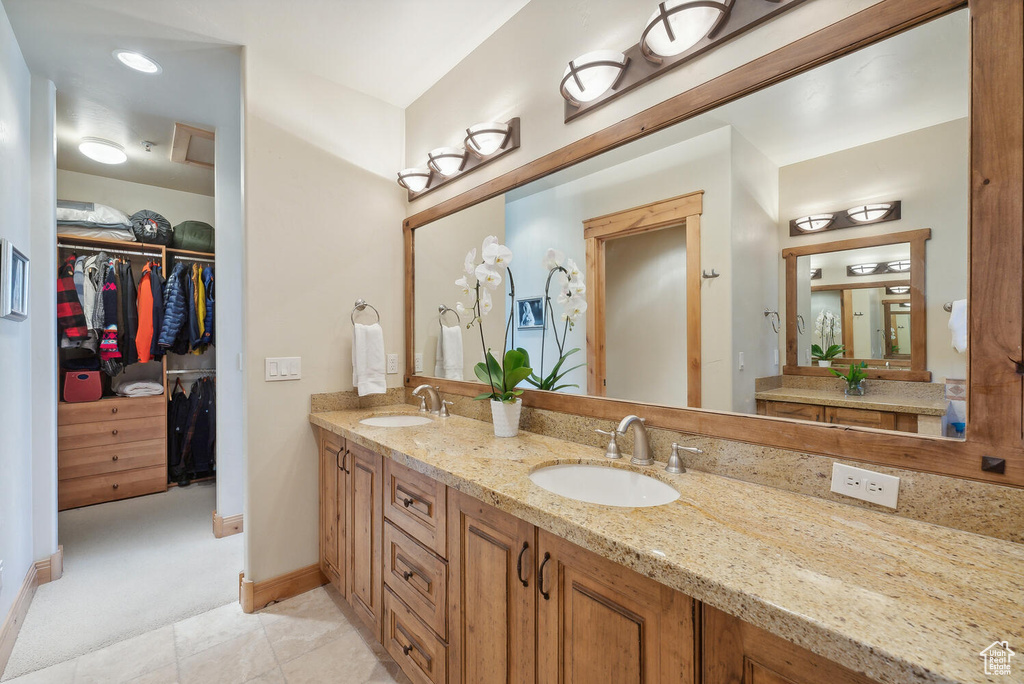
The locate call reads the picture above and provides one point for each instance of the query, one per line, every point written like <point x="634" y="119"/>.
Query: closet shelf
<point x="171" y="251"/>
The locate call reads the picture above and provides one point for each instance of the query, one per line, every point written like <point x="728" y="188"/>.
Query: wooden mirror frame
<point x="993" y="450"/>
<point x="918" y="320"/>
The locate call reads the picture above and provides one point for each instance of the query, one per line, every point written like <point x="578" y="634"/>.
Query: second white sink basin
<point x="604" y="485"/>
<point x="396" y="421"/>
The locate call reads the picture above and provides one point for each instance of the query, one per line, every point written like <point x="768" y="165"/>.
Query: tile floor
<point x="307" y="639"/>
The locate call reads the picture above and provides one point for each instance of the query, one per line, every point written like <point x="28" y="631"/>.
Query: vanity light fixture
<point x="484" y="139"/>
<point x="897" y="289"/>
<point x="590" y="76"/>
<point x="415" y="179"/>
<point x="900" y="266"/>
<point x="861" y="269"/>
<point x="678" y="25"/>
<point x="102" y="151"/>
<point x="138" y="61"/>
<point x="814" y="223"/>
<point x="870" y="213"/>
<point x="815" y="274"/>
<point x="446" y="161"/>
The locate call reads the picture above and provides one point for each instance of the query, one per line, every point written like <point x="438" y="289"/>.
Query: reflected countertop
<point x="896" y="599"/>
<point x="873" y="402"/>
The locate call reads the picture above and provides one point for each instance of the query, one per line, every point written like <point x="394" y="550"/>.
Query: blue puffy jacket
<point x="175" y="307"/>
<point x="208" y="320"/>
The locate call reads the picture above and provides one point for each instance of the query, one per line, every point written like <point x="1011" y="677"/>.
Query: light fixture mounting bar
<point x="842" y="219"/>
<point x="472" y="163"/>
<point x="743" y="16"/>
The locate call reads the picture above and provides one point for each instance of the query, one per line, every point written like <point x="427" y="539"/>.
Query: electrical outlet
<point x="392" y="364"/>
<point x="419" y="362"/>
<point x="865" y="485"/>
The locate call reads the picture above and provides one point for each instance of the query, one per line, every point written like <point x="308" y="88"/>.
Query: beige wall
<point x="174" y="205"/>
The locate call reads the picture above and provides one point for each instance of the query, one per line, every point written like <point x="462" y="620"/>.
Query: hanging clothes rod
<point x="187" y="371"/>
<point x="188" y="258"/>
<point x="84" y="248"/>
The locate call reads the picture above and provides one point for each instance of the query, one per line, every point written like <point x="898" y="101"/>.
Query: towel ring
<point x="442" y="309"/>
<point x="360" y="306"/>
<point x="773" y="318"/>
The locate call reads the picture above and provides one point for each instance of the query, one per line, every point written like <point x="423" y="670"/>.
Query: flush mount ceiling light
<point x="862" y="269"/>
<point x="901" y="266"/>
<point x="103" y="151"/>
<point x="678" y="25"/>
<point x="590" y="76"/>
<point x="813" y="223"/>
<point x="446" y="161"/>
<point x="869" y="213"/>
<point x="137" y="61"/>
<point x="484" y="139"/>
<point x="898" y="289"/>
<point x="414" y="180"/>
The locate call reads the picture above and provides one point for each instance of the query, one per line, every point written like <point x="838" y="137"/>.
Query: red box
<point x="82" y="386"/>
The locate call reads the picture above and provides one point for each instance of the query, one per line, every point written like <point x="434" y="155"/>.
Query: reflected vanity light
<point x="414" y="180"/>
<point x="897" y="289"/>
<point x="446" y="161"/>
<point x="853" y="217"/>
<point x="815" y="222"/>
<point x="484" y="139"/>
<point x="862" y="269"/>
<point x="869" y="213"/>
<point x="590" y="76"/>
<point x="900" y="266"/>
<point x="678" y="25"/>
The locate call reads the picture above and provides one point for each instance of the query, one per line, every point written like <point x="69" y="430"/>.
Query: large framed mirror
<point x="873" y="109"/>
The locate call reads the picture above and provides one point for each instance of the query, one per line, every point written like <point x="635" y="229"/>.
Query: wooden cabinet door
<point x="491" y="594"/>
<point x="735" y="652"/>
<point x="332" y="508"/>
<point x="363" y="531"/>
<point x="600" y="622"/>
<point x="883" y="420"/>
<point x="789" y="409"/>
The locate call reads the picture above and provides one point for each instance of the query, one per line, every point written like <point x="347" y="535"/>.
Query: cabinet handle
<point x="413" y="571"/>
<point x="113" y="410"/>
<point x="115" y="485"/>
<point x="113" y="432"/>
<point x="344" y="458"/>
<point x="114" y="457"/>
<point x="412" y="644"/>
<point x="519" y="565"/>
<point x="408" y="498"/>
<point x="540" y="577"/>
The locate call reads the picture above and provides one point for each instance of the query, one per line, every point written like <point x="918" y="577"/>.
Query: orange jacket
<point x="144" y="336"/>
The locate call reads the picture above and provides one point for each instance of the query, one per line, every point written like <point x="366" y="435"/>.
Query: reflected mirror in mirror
<point x="657" y="272"/>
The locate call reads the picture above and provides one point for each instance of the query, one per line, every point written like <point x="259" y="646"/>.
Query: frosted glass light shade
<point x="864" y="269"/>
<point x="815" y="222"/>
<point x="415" y="179"/>
<point x="900" y="289"/>
<point x="589" y="76"/>
<point x="484" y="139"/>
<point x="900" y="266"/>
<point x="446" y="161"/>
<point x="678" y="25"/>
<point x="102" y="151"/>
<point x="866" y="213"/>
<point x="137" y="61"/>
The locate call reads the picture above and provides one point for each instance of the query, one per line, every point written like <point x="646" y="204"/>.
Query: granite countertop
<point x="897" y="599"/>
<point x="873" y="402"/>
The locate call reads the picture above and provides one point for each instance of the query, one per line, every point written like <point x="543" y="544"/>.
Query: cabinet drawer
<point x="883" y="420"/>
<point x="116" y="408"/>
<point x="416" y="504"/>
<point x="787" y="409"/>
<point x="418" y="577"/>
<point x="83" y="491"/>
<point x="421" y="655"/>
<point x="72" y="463"/>
<point x="82" y="435"/>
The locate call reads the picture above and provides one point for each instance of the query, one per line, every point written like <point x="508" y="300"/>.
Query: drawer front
<point x="117" y="408"/>
<point x="72" y="463"/>
<point x="786" y="409"/>
<point x="417" y="504"/>
<point x="83" y="491"/>
<point x="418" y="577"/>
<point x="883" y="420"/>
<point x="421" y="655"/>
<point x="80" y="436"/>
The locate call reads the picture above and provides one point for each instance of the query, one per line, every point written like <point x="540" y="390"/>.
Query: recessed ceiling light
<point x="137" y="61"/>
<point x="103" y="151"/>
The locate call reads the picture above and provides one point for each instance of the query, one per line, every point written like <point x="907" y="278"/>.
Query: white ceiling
<point x="393" y="50"/>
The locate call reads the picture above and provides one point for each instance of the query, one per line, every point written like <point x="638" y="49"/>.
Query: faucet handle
<point x="692" y="450"/>
<point x="612" y="451"/>
<point x="445" y="413"/>
<point x="423" y="403"/>
<point x="675" y="463"/>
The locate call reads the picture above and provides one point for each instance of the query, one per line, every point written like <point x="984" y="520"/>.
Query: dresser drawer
<point x="72" y="463"/>
<point x="788" y="409"/>
<point x="418" y="577"/>
<point x="83" y="491"/>
<point x="883" y="420"/>
<point x="416" y="504"/>
<point x="421" y="655"/>
<point x="82" y="435"/>
<point x="115" y="408"/>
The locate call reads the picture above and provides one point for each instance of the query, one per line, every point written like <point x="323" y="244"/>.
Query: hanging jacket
<point x="144" y="306"/>
<point x="200" y="430"/>
<point x="207" y="336"/>
<point x="130" y="310"/>
<point x="176" y="307"/>
<point x="177" y="421"/>
<point x="110" y="355"/>
<point x="156" y="282"/>
<point x="196" y="308"/>
<point x="70" y="317"/>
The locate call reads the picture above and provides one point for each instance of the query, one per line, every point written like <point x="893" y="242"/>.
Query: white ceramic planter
<point x="506" y="417"/>
<point x="824" y="364"/>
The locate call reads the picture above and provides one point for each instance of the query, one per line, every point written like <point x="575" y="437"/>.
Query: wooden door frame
<point x="995" y="374"/>
<point x="683" y="210"/>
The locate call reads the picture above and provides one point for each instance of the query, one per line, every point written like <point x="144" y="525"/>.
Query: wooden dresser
<point x="115" y="448"/>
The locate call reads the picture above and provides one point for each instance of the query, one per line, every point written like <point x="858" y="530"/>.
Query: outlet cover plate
<point x="866" y="485"/>
<point x="392" y="364"/>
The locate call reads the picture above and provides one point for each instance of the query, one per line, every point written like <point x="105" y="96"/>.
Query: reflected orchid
<point x="488" y="276"/>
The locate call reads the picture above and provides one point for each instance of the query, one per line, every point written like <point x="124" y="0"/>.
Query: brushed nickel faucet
<point x="675" y="464"/>
<point x="641" y="445"/>
<point x="433" y="396"/>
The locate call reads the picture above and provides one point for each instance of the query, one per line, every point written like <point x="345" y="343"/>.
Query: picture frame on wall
<point x="530" y="313"/>
<point x="14" y="267"/>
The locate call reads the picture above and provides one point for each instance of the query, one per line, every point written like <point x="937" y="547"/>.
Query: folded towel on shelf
<point x="448" y="361"/>
<point x="139" y="388"/>
<point x="368" y="362"/>
<point x="958" y="325"/>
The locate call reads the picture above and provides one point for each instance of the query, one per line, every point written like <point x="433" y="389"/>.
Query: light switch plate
<point x="392" y="364"/>
<point x="283" y="368"/>
<point x="866" y="485"/>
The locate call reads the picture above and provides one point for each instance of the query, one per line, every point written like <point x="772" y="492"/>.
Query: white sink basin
<point x="604" y="485"/>
<point x="396" y="421"/>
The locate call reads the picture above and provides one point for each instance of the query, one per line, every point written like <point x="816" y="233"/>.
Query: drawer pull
<point x="519" y="565"/>
<point x="540" y="577"/>
<point x="413" y="571"/>
<point x="114" y="457"/>
<point x="113" y="410"/>
<point x="406" y="650"/>
<point x="408" y="498"/>
<point x="115" y="485"/>
<point x="113" y="432"/>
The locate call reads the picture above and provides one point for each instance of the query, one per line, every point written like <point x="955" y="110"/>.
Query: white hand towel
<point x="368" y="362"/>
<point x="453" y="362"/>
<point x="439" y="356"/>
<point x="958" y="325"/>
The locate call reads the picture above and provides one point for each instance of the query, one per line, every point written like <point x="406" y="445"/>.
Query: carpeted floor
<point x="129" y="567"/>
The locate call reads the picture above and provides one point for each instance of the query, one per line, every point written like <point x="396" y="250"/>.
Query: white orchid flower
<point x="464" y="285"/>
<point x="488" y="241"/>
<point x="497" y="254"/>
<point x="564" y="297"/>
<point x="562" y="280"/>
<point x="573" y="269"/>
<point x="553" y="259"/>
<point x="488" y="276"/>
<point x="485" y="303"/>
<point x="470" y="264"/>
<point x="578" y="287"/>
<point x="461" y="309"/>
<point x="579" y="306"/>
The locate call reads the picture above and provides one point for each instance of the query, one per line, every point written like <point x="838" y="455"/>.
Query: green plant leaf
<point x="481" y="397"/>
